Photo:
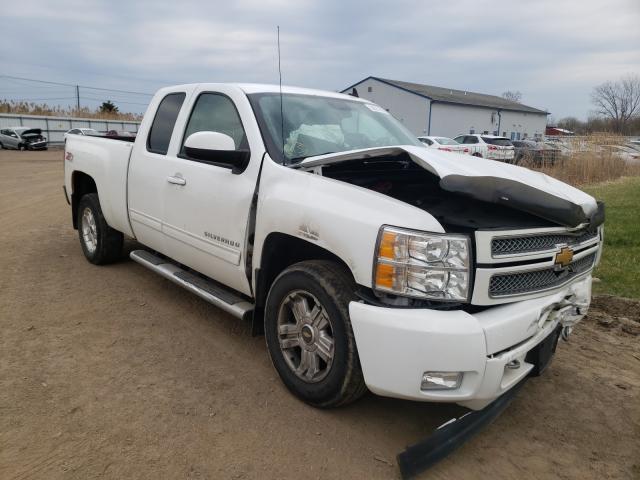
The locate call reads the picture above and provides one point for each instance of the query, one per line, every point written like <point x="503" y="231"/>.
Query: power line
<point x="71" y="85"/>
<point x="40" y="99"/>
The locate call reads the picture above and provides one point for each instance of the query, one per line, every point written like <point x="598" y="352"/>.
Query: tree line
<point x="616" y="108"/>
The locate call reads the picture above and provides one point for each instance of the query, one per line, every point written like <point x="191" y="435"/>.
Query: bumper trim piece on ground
<point x="451" y="435"/>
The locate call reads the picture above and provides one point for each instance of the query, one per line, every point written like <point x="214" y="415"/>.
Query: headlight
<point x="422" y="265"/>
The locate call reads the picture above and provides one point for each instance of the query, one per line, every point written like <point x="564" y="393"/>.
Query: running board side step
<point x="208" y="290"/>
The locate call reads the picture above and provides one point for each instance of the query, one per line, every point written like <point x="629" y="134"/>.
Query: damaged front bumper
<point x="398" y="346"/>
<point x="37" y="145"/>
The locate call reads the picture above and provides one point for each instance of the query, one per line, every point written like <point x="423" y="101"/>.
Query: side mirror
<point x="218" y="149"/>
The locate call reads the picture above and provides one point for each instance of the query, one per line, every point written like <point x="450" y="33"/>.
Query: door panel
<point x="205" y="219"/>
<point x="148" y="171"/>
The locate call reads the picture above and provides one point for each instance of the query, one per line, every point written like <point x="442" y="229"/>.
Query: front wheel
<point x="100" y="243"/>
<point x="309" y="335"/>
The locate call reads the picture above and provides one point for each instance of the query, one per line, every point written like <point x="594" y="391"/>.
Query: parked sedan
<point x="530" y="153"/>
<point x="22" y="138"/>
<point x="443" y="143"/>
<point x="488" y="146"/>
<point x="82" y="131"/>
<point x="628" y="154"/>
<point x="121" y="134"/>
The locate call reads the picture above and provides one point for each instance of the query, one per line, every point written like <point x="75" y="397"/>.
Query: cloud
<point x="554" y="52"/>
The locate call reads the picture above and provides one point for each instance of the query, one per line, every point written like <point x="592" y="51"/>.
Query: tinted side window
<point x="214" y="112"/>
<point x="470" y="139"/>
<point x="460" y="139"/>
<point x="163" y="123"/>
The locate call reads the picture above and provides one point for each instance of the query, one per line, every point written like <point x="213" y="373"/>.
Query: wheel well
<point x="81" y="184"/>
<point x="279" y="252"/>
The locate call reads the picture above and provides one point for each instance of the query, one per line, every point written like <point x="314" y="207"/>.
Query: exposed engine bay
<point x="400" y="178"/>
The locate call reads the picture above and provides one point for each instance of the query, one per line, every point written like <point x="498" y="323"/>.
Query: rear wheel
<point x="100" y="243"/>
<point x="479" y="155"/>
<point x="309" y="335"/>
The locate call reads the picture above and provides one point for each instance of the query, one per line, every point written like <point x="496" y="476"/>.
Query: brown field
<point x="30" y="108"/>
<point x="588" y="162"/>
<point x="113" y="372"/>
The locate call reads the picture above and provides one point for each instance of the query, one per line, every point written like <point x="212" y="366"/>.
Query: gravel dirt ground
<point x="113" y="372"/>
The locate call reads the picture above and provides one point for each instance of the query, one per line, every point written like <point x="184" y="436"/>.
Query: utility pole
<point x="77" y="97"/>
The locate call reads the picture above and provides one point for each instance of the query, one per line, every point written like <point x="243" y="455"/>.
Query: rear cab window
<point x="164" y="122"/>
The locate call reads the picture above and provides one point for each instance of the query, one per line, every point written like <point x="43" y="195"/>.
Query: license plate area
<point x="540" y="355"/>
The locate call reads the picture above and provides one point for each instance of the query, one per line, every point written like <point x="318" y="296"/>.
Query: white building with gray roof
<point x="428" y="110"/>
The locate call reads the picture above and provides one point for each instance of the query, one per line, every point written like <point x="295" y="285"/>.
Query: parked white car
<point x="445" y="144"/>
<point x="629" y="154"/>
<point x="488" y="146"/>
<point x="82" y="131"/>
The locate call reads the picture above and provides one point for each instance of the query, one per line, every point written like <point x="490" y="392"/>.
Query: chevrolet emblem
<point x="564" y="257"/>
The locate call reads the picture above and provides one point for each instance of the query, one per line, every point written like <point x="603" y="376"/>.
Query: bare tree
<point x="513" y="95"/>
<point x="618" y="101"/>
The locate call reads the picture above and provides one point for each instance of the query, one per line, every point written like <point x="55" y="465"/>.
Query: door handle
<point x="176" y="180"/>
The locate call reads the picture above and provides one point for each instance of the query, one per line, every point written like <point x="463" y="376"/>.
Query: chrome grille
<point x="536" y="280"/>
<point x="538" y="243"/>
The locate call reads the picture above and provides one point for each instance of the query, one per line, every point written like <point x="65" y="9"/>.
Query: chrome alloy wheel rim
<point x="305" y="335"/>
<point x="89" y="231"/>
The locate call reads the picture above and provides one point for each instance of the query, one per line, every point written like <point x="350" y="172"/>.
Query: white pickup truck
<point x="368" y="261"/>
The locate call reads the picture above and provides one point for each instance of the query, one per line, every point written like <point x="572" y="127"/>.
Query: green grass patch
<point x="619" y="269"/>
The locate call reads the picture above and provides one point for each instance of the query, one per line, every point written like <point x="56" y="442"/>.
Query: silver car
<point x="22" y="138"/>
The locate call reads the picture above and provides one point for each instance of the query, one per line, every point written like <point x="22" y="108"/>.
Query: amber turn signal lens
<point x="384" y="275"/>
<point x="387" y="245"/>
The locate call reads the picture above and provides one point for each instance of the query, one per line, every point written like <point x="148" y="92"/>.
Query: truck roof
<point x="271" y="88"/>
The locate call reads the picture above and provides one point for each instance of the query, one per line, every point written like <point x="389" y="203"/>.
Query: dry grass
<point x="588" y="168"/>
<point x="29" y="108"/>
<point x="587" y="162"/>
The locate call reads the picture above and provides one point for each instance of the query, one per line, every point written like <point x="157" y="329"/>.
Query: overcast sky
<point x="553" y="51"/>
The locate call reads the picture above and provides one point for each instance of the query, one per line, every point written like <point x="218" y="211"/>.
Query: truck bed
<point x="106" y="160"/>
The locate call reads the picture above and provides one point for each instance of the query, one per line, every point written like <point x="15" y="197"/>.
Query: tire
<point x="100" y="243"/>
<point x="1" y="146"/>
<point x="338" y="381"/>
<point x="479" y="155"/>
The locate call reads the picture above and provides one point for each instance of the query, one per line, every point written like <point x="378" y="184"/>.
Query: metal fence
<point x="54" y="128"/>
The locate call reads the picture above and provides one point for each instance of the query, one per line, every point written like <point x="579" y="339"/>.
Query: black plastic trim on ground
<point x="422" y="455"/>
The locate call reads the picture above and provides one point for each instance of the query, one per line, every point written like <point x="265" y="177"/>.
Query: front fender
<point x="339" y="217"/>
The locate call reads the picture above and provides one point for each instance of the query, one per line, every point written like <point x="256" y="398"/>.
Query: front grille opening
<point x="538" y="243"/>
<point x="537" y="280"/>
